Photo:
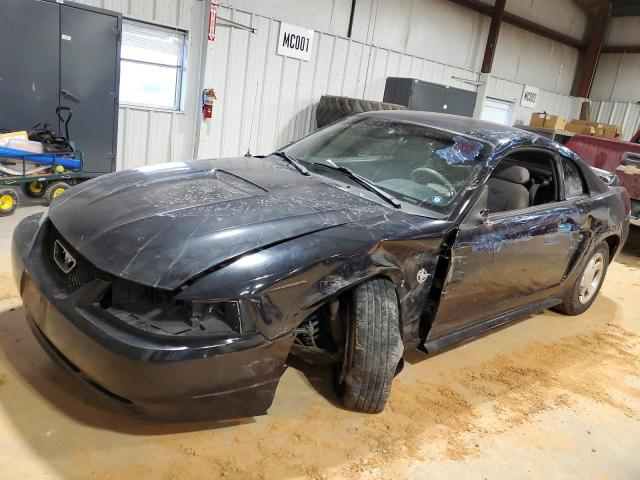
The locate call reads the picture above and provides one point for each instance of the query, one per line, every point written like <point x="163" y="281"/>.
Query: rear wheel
<point x="374" y="347"/>
<point x="56" y="189"/>
<point x="588" y="282"/>
<point x="8" y="202"/>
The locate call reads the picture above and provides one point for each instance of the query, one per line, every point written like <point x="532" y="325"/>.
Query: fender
<point x="282" y="294"/>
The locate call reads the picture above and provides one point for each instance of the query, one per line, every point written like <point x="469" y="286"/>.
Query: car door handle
<point x="69" y="95"/>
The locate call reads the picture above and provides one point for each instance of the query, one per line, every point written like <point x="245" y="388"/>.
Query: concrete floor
<point x="549" y="397"/>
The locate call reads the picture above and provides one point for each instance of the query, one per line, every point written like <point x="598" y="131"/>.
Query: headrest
<point x="514" y="174"/>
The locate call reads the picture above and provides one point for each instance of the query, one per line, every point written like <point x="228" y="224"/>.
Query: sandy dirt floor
<point x="548" y="397"/>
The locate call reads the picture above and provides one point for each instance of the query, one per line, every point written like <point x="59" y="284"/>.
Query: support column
<point x="481" y="94"/>
<point x="492" y="38"/>
<point x="589" y="61"/>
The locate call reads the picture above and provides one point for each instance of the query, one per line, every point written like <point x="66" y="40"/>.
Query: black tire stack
<point x="332" y="108"/>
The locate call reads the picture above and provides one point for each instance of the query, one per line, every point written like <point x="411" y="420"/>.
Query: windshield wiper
<point x="296" y="164"/>
<point x="372" y="187"/>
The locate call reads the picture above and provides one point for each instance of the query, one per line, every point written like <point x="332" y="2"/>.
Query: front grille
<point x="83" y="272"/>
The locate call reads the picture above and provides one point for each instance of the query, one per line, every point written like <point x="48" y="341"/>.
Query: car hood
<point x="163" y="225"/>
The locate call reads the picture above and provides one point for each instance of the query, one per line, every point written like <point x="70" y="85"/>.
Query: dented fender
<point x="282" y="293"/>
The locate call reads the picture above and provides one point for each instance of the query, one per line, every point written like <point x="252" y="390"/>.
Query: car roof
<point x="492" y="133"/>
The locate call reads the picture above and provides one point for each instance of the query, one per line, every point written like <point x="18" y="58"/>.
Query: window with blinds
<point x="152" y="65"/>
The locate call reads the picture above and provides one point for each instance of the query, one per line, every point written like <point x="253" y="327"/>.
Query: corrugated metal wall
<point x="511" y="91"/>
<point x="626" y="114"/>
<point x="147" y="136"/>
<point x="266" y="100"/>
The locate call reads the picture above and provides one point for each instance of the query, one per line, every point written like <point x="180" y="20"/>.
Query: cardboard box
<point x="555" y="122"/>
<point x="4" y="137"/>
<point x="545" y="120"/>
<point x="537" y="119"/>
<point x="580" y="126"/>
<point x="611" y="131"/>
<point x="599" y="129"/>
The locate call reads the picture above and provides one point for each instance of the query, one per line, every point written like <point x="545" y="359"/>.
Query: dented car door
<point x="502" y="263"/>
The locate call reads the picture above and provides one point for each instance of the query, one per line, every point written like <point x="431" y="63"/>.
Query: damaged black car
<point x="182" y="290"/>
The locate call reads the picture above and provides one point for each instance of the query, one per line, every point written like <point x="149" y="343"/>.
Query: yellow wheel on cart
<point x="35" y="189"/>
<point x="8" y="202"/>
<point x="55" y="190"/>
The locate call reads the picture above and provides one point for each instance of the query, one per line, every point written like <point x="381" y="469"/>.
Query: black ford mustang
<point x="182" y="289"/>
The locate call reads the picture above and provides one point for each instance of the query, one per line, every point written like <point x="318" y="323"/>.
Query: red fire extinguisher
<point x="208" y="96"/>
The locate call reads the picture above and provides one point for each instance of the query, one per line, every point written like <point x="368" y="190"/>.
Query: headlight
<point x="155" y="311"/>
<point x="217" y="317"/>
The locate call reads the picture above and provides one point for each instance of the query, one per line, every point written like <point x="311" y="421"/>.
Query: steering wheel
<point x="421" y="172"/>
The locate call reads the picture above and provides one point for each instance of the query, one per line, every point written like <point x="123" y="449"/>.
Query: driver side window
<point x="521" y="180"/>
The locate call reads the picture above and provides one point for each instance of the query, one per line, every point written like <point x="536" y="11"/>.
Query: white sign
<point x="529" y="96"/>
<point x="296" y="42"/>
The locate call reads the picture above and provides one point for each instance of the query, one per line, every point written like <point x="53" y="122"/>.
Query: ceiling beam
<point x="621" y="49"/>
<point x="543" y="31"/>
<point x="522" y="23"/>
<point x="626" y="8"/>
<point x="592" y="8"/>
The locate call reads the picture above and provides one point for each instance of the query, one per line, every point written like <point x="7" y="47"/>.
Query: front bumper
<point x="152" y="377"/>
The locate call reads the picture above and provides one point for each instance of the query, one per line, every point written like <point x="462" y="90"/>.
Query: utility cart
<point x="39" y="175"/>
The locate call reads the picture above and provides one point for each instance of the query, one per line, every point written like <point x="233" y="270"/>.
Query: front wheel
<point x="374" y="347"/>
<point x="588" y="282"/>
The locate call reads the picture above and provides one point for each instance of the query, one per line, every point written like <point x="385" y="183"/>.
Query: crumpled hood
<point x="163" y="225"/>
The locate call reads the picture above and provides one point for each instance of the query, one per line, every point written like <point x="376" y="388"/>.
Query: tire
<point x="8" y="202"/>
<point x="55" y="189"/>
<point x="374" y="347"/>
<point x="332" y="108"/>
<point x="575" y="301"/>
<point x="35" y="189"/>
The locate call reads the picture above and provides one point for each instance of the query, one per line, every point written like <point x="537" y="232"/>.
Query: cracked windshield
<point x="413" y="163"/>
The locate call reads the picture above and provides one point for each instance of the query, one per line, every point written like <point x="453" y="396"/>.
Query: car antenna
<point x="253" y="117"/>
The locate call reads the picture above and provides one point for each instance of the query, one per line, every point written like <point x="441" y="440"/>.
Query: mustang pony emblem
<point x="63" y="258"/>
<point x="422" y="275"/>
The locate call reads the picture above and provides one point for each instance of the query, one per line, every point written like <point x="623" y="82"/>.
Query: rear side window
<point x="573" y="183"/>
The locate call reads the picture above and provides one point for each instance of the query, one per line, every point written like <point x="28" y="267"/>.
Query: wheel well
<point x="324" y="329"/>
<point x="613" y="242"/>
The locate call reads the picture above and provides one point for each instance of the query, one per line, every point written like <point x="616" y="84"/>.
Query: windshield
<point x="414" y="163"/>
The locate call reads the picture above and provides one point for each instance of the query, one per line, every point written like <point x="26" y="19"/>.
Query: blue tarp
<point x="40" y="158"/>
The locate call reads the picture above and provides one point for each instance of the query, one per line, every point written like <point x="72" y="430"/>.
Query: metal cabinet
<point x="430" y="97"/>
<point x="62" y="54"/>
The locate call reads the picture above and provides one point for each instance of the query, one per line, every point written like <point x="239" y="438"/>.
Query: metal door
<point x="29" y="83"/>
<point x="89" y="70"/>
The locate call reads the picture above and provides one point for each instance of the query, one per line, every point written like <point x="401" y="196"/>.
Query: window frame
<point x="585" y="186"/>
<point x="181" y="82"/>
<point x="558" y="174"/>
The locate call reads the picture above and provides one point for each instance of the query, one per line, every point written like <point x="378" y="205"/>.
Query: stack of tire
<point x="332" y="108"/>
